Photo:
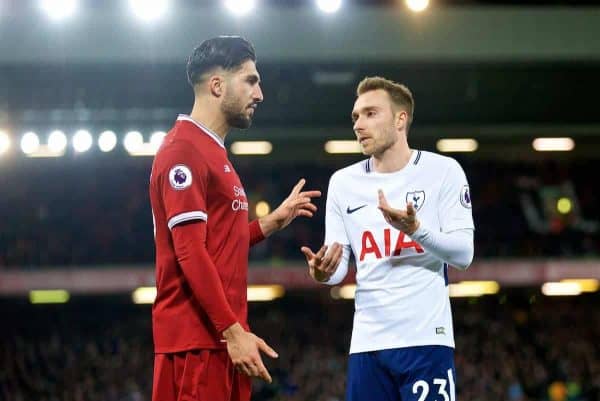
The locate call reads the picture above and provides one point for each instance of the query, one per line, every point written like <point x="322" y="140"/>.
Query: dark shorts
<point x="403" y="374"/>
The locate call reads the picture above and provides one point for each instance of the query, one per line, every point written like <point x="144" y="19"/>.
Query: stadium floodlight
<point x="149" y="10"/>
<point x="346" y="291"/>
<point x="135" y="145"/>
<point x="264" y="292"/>
<point x="4" y="142"/>
<point x="156" y="139"/>
<point x="345" y="146"/>
<point x="144" y="295"/>
<point x="585" y="284"/>
<point x="262" y="209"/>
<point x="59" y="9"/>
<point x="417" y="5"/>
<point x="57" y="142"/>
<point x="473" y="288"/>
<point x="49" y="296"/>
<point x="107" y="141"/>
<point x="30" y="143"/>
<point x="240" y="7"/>
<point x="82" y="141"/>
<point x="561" y="289"/>
<point x="553" y="144"/>
<point x="457" y="145"/>
<point x="133" y="141"/>
<point x="329" y="6"/>
<point x="251" y="148"/>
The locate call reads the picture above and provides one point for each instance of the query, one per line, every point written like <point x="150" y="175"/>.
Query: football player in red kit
<point x="203" y="347"/>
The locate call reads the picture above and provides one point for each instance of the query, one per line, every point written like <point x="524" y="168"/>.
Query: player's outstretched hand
<point x="403" y="220"/>
<point x="298" y="203"/>
<point x="323" y="264"/>
<point x="244" y="350"/>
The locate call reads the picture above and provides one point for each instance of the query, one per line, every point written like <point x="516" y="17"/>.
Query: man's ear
<point x="401" y="119"/>
<point x="216" y="84"/>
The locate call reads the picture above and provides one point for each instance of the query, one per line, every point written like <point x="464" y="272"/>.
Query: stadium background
<point x="75" y="217"/>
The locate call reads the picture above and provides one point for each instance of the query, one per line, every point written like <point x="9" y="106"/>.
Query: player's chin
<point x="367" y="151"/>
<point x="241" y="122"/>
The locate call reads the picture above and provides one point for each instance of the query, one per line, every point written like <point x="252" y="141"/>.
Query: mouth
<point x="251" y="109"/>
<point x="363" y="140"/>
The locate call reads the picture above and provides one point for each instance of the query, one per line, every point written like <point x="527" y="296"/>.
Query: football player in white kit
<point x="405" y="214"/>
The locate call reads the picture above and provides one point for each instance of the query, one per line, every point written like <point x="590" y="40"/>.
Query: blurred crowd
<point x="70" y="212"/>
<point x="517" y="347"/>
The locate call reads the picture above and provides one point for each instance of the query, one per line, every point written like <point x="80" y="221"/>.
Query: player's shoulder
<point x="174" y="147"/>
<point x="177" y="148"/>
<point x="450" y="169"/>
<point x="351" y="172"/>
<point x="435" y="159"/>
<point x="435" y="162"/>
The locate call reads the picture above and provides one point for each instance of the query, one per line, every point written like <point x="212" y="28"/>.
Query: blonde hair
<point x="401" y="96"/>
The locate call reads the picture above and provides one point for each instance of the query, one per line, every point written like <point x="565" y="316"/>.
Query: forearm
<point x="268" y="225"/>
<point x="256" y="232"/>
<point x="201" y="274"/>
<point x="454" y="248"/>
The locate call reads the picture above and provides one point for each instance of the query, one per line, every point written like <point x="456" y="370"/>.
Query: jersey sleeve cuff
<point x="419" y="233"/>
<point x="187" y="216"/>
<point x="227" y="322"/>
<point x="256" y="234"/>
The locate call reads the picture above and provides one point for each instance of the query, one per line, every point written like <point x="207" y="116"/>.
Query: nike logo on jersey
<point x="350" y="211"/>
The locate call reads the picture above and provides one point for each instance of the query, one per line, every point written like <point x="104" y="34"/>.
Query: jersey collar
<point x="207" y="131"/>
<point x="415" y="156"/>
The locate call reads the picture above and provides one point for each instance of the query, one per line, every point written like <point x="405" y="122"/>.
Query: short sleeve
<point x="184" y="185"/>
<point x="335" y="231"/>
<point x="454" y="207"/>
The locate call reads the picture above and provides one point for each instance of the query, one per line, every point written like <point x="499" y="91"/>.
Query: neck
<point x="209" y="114"/>
<point x="394" y="158"/>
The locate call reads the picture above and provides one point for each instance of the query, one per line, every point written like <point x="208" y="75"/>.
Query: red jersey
<point x="193" y="181"/>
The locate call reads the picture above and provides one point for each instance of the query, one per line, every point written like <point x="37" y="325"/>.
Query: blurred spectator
<point x="75" y="212"/>
<point x="508" y="347"/>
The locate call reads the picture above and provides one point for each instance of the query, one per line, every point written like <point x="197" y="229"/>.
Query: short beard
<point x="388" y="144"/>
<point x="234" y="117"/>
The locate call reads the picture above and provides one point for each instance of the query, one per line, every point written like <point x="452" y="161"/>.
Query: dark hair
<point x="227" y="52"/>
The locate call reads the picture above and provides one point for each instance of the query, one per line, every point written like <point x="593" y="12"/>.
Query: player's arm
<point x="298" y="203"/>
<point x="329" y="265"/>
<point x="256" y="233"/>
<point x="189" y="240"/>
<point x="454" y="242"/>
<point x="455" y="248"/>
<point x="183" y="189"/>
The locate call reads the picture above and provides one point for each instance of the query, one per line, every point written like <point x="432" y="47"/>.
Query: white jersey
<point x="402" y="291"/>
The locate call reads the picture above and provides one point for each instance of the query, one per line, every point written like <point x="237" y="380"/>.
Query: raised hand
<point x="403" y="220"/>
<point x="323" y="264"/>
<point x="296" y="204"/>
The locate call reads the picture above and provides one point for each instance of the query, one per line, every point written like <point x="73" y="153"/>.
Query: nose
<point x="357" y="127"/>
<point x="257" y="96"/>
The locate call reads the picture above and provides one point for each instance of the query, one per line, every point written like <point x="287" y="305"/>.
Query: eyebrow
<point x="255" y="78"/>
<point x="364" y="109"/>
